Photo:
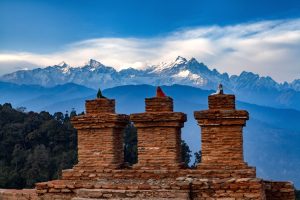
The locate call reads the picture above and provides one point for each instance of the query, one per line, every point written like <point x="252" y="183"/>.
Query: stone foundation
<point x="167" y="187"/>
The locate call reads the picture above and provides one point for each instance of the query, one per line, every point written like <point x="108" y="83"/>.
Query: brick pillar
<point x="100" y="134"/>
<point x="222" y="134"/>
<point x="159" y="134"/>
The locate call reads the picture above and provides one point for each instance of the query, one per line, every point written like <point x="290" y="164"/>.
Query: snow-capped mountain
<point x="180" y="71"/>
<point x="95" y="75"/>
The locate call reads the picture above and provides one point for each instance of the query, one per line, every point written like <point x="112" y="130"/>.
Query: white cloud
<point x="266" y="47"/>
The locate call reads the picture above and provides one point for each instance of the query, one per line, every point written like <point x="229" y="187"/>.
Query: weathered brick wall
<point x="131" y="194"/>
<point x="159" y="134"/>
<point x="25" y="194"/>
<point x="221" y="102"/>
<point x="218" y="141"/>
<point x="229" y="189"/>
<point x="99" y="105"/>
<point x="159" y="104"/>
<point x="279" y="190"/>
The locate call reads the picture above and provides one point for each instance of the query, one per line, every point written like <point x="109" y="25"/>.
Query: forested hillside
<point x="34" y="147"/>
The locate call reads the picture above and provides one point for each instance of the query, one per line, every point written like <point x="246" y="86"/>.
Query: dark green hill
<point x="34" y="147"/>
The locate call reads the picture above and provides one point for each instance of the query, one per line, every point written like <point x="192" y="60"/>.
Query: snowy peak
<point x="169" y="65"/>
<point x="91" y="63"/>
<point x="63" y="67"/>
<point x="180" y="60"/>
<point x="94" y="63"/>
<point x="96" y="67"/>
<point x="62" y="64"/>
<point x="181" y="65"/>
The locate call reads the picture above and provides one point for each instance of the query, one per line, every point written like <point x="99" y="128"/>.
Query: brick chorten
<point x="159" y="134"/>
<point x="222" y="136"/>
<point x="100" y="134"/>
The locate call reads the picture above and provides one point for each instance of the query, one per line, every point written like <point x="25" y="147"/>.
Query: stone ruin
<point x="159" y="173"/>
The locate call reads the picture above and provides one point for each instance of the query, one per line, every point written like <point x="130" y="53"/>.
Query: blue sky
<point x="35" y="32"/>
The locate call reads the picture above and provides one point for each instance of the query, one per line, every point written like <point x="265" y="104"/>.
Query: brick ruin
<point x="159" y="173"/>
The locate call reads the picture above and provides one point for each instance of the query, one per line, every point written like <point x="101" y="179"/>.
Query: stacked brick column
<point x="222" y="137"/>
<point x="159" y="134"/>
<point x="100" y="134"/>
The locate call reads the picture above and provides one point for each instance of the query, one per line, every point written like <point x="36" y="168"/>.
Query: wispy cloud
<point x="266" y="47"/>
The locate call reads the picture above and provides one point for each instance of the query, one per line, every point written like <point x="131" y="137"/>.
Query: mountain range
<point x="248" y="86"/>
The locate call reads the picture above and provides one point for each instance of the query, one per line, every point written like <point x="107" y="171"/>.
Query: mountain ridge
<point x="180" y="71"/>
<point x="179" y="63"/>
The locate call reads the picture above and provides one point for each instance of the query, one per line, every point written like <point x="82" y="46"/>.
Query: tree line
<point x="34" y="147"/>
